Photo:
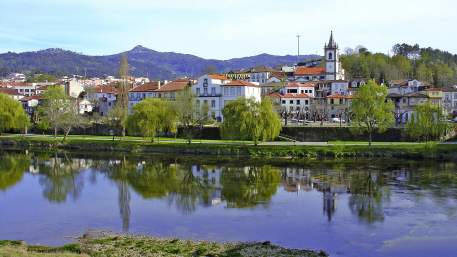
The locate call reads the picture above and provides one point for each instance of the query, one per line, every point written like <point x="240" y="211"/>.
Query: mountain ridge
<point x="142" y="60"/>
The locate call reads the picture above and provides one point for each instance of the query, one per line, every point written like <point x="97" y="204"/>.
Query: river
<point x="347" y="208"/>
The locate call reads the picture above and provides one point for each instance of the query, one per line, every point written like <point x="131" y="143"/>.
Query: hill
<point x="143" y="62"/>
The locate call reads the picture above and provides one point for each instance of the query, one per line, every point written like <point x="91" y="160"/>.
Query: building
<point x="449" y="100"/>
<point x="217" y="91"/>
<point x="333" y="67"/>
<point x="139" y="93"/>
<point x="11" y="93"/>
<point x="338" y="106"/>
<point x="331" y="71"/>
<point x="170" y="90"/>
<point x="103" y="98"/>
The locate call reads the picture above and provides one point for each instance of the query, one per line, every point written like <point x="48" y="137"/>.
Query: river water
<point x="347" y="208"/>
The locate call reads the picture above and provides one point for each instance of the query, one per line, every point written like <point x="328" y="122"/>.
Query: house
<point x="139" y="93"/>
<point x="299" y="88"/>
<point x="449" y="100"/>
<point x="260" y="74"/>
<point x="338" y="106"/>
<point x="217" y="90"/>
<point x="11" y="93"/>
<point x="103" y="98"/>
<point x="85" y="106"/>
<point x="309" y="73"/>
<point x="30" y="103"/>
<point x="171" y="89"/>
<point x="16" y="77"/>
<point x="73" y="88"/>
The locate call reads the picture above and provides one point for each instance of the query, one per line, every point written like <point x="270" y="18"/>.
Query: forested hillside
<point x="407" y="62"/>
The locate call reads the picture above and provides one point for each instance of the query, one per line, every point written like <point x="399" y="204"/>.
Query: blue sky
<point x="224" y="29"/>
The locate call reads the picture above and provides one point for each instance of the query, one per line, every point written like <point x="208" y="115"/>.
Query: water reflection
<point x="188" y="187"/>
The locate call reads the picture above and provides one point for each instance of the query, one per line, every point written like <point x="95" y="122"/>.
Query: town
<point x="310" y="93"/>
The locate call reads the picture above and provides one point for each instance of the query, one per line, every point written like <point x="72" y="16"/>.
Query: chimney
<point x="158" y="84"/>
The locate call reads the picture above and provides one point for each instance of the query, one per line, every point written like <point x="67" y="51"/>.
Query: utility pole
<point x="298" y="48"/>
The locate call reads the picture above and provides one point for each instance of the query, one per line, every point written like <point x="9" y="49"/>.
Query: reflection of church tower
<point x="329" y="204"/>
<point x="124" y="204"/>
<point x="333" y="68"/>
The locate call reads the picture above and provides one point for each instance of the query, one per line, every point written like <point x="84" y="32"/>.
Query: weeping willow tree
<point x="428" y="123"/>
<point x="151" y="117"/>
<point x="12" y="115"/>
<point x="250" y="119"/>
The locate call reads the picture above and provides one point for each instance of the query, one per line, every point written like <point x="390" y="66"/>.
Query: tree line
<point x="434" y="66"/>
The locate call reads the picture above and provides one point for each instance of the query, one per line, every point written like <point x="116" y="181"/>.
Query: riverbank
<point x="333" y="150"/>
<point x="122" y="245"/>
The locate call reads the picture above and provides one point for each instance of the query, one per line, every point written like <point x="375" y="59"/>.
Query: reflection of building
<point x="329" y="204"/>
<point x="211" y="176"/>
<point x="296" y="179"/>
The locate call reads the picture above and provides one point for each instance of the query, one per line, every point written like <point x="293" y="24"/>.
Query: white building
<point x="339" y="87"/>
<point x="104" y="98"/>
<point x="139" y="93"/>
<point x="450" y="100"/>
<point x="217" y="91"/>
<point x="73" y="88"/>
<point x="299" y="88"/>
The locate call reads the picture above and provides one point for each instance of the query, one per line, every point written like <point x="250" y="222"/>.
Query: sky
<point x="223" y="29"/>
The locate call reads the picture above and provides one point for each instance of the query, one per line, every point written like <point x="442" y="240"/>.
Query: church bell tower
<point x="333" y="67"/>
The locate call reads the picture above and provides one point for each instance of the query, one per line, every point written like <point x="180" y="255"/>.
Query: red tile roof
<point x="106" y="89"/>
<point x="337" y="96"/>
<point x="8" y="91"/>
<point x="290" y="95"/>
<point x="306" y="84"/>
<point x="218" y="76"/>
<point x="300" y="71"/>
<point x="33" y="97"/>
<point x="173" y="86"/>
<point x="147" y="87"/>
<point x="240" y="83"/>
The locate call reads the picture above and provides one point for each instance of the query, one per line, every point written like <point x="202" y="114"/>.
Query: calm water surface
<point x="348" y="209"/>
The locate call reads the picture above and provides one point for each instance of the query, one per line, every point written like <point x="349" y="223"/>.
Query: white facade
<point x="339" y="88"/>
<point x="217" y="91"/>
<point x="299" y="88"/>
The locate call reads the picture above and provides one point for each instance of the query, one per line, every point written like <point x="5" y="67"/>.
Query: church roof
<point x="331" y="42"/>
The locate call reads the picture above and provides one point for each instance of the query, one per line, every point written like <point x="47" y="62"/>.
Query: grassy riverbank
<point x="235" y="148"/>
<point x="117" y="245"/>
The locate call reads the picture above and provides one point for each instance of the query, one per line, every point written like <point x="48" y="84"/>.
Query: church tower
<point x="333" y="67"/>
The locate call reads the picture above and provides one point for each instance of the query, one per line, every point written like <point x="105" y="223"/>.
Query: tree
<point x="42" y="78"/>
<point x="371" y="110"/>
<point x="188" y="113"/>
<point x="249" y="119"/>
<point x="59" y="111"/>
<point x="428" y="123"/>
<point x="122" y="99"/>
<point x="152" y="116"/>
<point x="12" y="115"/>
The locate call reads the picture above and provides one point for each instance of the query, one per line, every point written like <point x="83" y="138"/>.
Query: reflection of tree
<point x="60" y="179"/>
<point x="248" y="187"/>
<point x="12" y="168"/>
<point x="366" y="196"/>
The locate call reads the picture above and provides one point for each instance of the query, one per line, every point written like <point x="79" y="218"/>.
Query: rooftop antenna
<point x="298" y="48"/>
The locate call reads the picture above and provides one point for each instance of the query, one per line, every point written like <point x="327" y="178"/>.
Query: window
<point x="213" y="103"/>
<point x="198" y="91"/>
<point x="332" y="101"/>
<point x="232" y="91"/>
<point x="213" y="91"/>
<point x="283" y="101"/>
<point x="304" y="91"/>
<point x="238" y="91"/>
<point x="205" y="91"/>
<point x="291" y="102"/>
<point x="298" y="102"/>
<point x="330" y="56"/>
<point x="226" y="91"/>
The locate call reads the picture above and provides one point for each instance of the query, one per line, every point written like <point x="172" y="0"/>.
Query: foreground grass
<point x="117" y="246"/>
<point x="334" y="150"/>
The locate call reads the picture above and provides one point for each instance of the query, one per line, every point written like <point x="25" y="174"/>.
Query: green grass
<point x="118" y="245"/>
<point x="336" y="149"/>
